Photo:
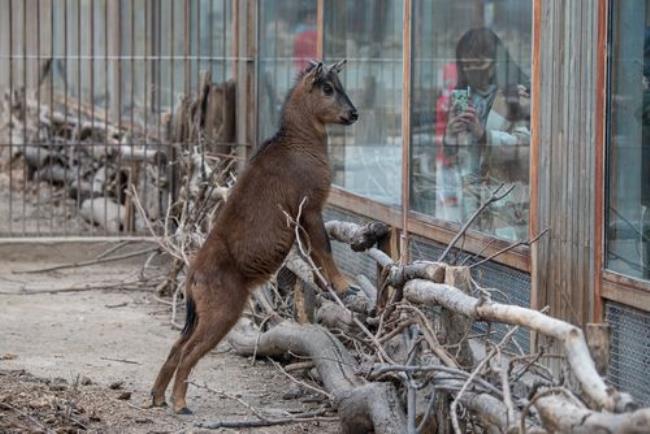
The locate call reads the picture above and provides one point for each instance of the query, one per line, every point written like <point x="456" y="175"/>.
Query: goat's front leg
<point x="321" y="251"/>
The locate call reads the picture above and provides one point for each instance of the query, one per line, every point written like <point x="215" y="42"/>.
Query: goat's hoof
<point x="157" y="402"/>
<point x="183" y="411"/>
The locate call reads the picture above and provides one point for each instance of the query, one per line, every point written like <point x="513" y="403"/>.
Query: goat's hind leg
<point x="166" y="372"/>
<point x="214" y="322"/>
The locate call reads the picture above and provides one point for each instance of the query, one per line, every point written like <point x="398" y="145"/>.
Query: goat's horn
<point x="338" y="66"/>
<point x="313" y="62"/>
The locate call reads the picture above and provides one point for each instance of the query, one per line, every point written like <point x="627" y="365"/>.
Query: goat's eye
<point x="328" y="89"/>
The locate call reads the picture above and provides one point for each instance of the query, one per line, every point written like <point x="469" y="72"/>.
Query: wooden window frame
<point x="608" y="284"/>
<point x="412" y="222"/>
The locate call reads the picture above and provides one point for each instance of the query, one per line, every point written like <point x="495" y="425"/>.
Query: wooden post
<point x="533" y="216"/>
<point x="600" y="172"/>
<point x="455" y="325"/>
<point x="320" y="26"/>
<point x="245" y="13"/>
<point x="407" y="37"/>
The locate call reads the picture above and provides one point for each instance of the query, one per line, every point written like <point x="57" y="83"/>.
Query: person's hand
<point x="457" y="124"/>
<point x="472" y="123"/>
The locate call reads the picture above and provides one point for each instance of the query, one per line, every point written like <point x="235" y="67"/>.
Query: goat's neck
<point x="303" y="131"/>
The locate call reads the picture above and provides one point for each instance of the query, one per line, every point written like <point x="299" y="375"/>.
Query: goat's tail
<point x="190" y="316"/>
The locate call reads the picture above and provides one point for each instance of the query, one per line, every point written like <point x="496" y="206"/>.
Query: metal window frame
<point x="608" y="284"/>
<point x="409" y="221"/>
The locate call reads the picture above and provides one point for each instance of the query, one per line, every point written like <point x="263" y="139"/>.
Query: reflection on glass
<point x="366" y="158"/>
<point x="288" y="40"/>
<point x="628" y="225"/>
<point x="471" y="112"/>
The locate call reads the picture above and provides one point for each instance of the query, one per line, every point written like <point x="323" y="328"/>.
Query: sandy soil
<point x="60" y="353"/>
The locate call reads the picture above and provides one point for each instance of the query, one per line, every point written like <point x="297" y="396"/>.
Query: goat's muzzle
<point x="351" y="117"/>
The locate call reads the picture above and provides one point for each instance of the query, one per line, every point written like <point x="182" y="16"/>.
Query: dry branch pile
<point x="94" y="162"/>
<point x="401" y="355"/>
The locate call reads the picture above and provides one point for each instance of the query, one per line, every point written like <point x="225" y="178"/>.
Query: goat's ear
<point x="338" y="66"/>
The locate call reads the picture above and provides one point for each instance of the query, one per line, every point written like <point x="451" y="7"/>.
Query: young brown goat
<point x="251" y="238"/>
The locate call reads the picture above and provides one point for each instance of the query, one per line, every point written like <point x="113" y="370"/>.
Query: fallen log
<point x="363" y="406"/>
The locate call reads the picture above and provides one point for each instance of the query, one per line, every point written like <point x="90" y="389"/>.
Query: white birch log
<point x="571" y="337"/>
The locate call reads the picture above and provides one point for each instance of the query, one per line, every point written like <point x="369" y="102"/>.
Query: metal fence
<point x="91" y="94"/>
<point x="630" y="350"/>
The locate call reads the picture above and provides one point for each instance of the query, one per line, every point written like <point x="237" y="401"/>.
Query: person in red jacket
<point x="305" y="44"/>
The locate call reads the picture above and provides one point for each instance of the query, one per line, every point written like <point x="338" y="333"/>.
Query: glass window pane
<point x="366" y="157"/>
<point x="471" y="111"/>
<point x="628" y="216"/>
<point x="288" y="40"/>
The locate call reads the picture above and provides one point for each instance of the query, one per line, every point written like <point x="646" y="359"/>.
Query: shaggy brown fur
<point x="251" y="238"/>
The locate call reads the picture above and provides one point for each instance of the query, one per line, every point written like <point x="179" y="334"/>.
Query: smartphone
<point x="459" y="101"/>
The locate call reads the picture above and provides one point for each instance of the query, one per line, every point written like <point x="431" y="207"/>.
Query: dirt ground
<point x="61" y="353"/>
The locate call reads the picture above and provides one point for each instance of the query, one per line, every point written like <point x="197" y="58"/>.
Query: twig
<point x="427" y="413"/>
<point x="397" y="330"/>
<point x="312" y="416"/>
<point x="430" y="337"/>
<point x="254" y="410"/>
<point x="410" y="406"/>
<point x="383" y="368"/>
<point x="301" y="383"/>
<point x="299" y="366"/>
<point x="494" y="197"/>
<point x="174" y="303"/>
<point x="129" y="362"/>
<point x="87" y="263"/>
<point x="479" y="253"/>
<point x="263" y="420"/>
<point x="507" y="396"/>
<point x="115" y="306"/>
<point x="113" y="249"/>
<point x="257" y="340"/>
<point x="454" y="403"/>
<point x="118" y="286"/>
<point x="510" y="247"/>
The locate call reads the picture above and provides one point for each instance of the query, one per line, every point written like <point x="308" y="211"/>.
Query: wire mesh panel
<point x="629" y="350"/>
<point x="506" y="285"/>
<point x="91" y="94"/>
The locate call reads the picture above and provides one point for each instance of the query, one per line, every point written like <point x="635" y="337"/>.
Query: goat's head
<point x="324" y="96"/>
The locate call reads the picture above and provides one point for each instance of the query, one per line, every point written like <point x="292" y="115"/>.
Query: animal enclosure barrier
<point x="102" y="95"/>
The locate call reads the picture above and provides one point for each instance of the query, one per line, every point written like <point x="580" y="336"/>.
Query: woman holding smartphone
<point x="488" y="132"/>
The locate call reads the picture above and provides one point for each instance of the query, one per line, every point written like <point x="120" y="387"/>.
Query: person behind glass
<point x="488" y="129"/>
